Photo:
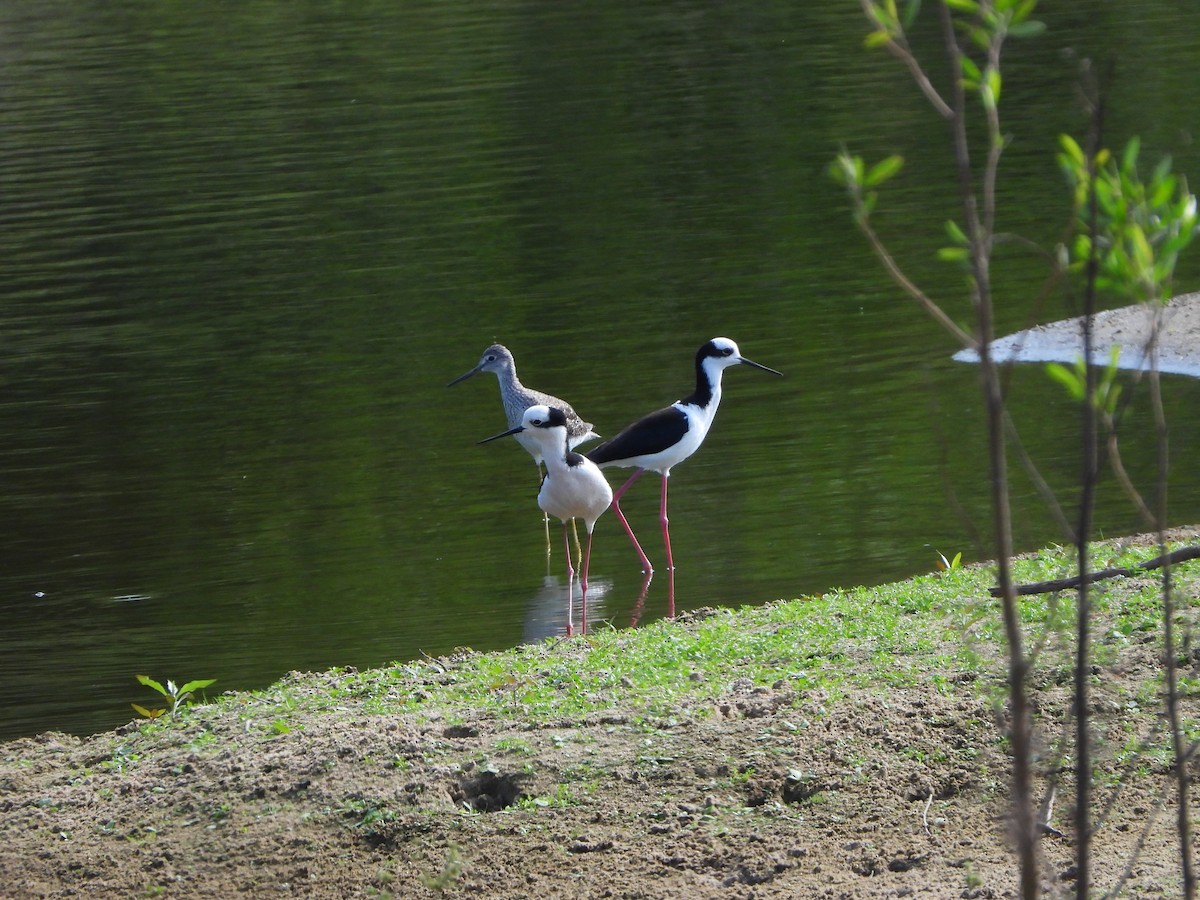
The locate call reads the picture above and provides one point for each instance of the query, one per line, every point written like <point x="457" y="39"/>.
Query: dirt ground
<point x="900" y="794"/>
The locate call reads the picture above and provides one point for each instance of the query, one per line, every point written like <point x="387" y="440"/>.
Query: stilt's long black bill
<point x="752" y="363"/>
<point x="496" y="437"/>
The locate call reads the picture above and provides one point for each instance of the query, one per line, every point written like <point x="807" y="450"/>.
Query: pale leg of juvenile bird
<point x="567" y="544"/>
<point x="545" y="517"/>
<point x="616" y="508"/>
<point x="575" y="534"/>
<point x="587" y="559"/>
<point x="570" y="583"/>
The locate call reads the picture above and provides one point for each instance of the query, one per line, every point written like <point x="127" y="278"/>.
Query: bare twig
<point x="1178" y="747"/>
<point x="1183" y="554"/>
<point x="1039" y="482"/>
<point x="1047" y="813"/>
<point x="1123" y="479"/>
<point x="1089" y="475"/>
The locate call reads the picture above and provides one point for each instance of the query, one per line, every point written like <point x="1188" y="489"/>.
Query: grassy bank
<point x="851" y="744"/>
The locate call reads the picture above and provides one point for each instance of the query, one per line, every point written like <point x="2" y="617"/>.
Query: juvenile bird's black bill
<point x="496" y="437"/>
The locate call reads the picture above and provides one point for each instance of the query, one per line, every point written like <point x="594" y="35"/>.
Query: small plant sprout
<point x="177" y="696"/>
<point x="949" y="564"/>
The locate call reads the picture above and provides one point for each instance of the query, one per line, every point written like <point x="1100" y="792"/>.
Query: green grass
<point x="933" y="630"/>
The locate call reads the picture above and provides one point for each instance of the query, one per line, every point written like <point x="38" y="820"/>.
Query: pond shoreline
<point x="838" y="746"/>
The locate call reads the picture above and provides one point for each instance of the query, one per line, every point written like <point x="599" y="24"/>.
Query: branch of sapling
<point x="890" y="34"/>
<point x="1018" y="666"/>
<point x="859" y="181"/>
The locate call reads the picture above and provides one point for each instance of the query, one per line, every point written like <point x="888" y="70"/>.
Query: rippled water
<point x="244" y="253"/>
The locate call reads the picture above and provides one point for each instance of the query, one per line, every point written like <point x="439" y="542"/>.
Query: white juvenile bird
<point x="574" y="487"/>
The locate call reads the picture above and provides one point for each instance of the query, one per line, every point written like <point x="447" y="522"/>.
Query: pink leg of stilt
<point x="662" y="515"/>
<point x="570" y="583"/>
<point x="587" y="558"/>
<point x="616" y="508"/>
<point x="671" y="594"/>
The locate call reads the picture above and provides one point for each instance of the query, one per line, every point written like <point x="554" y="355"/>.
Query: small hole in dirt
<point x="487" y="792"/>
<point x="800" y="790"/>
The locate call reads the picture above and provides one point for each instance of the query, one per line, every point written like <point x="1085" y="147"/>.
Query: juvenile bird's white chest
<point x="574" y="491"/>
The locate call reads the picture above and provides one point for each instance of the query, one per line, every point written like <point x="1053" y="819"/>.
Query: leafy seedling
<point x="175" y="695"/>
<point x="949" y="564"/>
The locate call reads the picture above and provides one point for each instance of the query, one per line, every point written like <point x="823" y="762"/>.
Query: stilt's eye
<point x="727" y="351"/>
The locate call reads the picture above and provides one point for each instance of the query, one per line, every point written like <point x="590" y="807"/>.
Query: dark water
<point x="245" y="246"/>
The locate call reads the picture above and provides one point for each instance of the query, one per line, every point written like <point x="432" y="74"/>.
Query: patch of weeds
<point x="368" y="813"/>
<point x="513" y="745"/>
<point x="202" y="740"/>
<point x="451" y="872"/>
<point x="121" y="757"/>
<point x="401" y="763"/>
<point x="1188" y="686"/>
<point x="218" y="812"/>
<point x="586" y="771"/>
<point x="561" y="798"/>
<point x="972" y="878"/>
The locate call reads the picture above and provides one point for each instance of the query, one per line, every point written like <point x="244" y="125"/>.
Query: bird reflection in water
<point x="544" y="614"/>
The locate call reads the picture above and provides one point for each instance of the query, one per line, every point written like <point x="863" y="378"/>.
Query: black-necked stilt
<point x="517" y="398"/>
<point x="666" y="437"/>
<point x="574" y="487"/>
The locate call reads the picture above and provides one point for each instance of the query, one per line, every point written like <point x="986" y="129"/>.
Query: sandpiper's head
<point x="721" y="352"/>
<point x="496" y="358"/>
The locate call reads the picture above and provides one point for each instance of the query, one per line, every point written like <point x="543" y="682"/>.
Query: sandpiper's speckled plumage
<point x="517" y="398"/>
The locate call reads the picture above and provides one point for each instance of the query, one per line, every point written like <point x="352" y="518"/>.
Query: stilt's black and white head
<point x="496" y="358"/>
<point x="537" y="419"/>
<point x="721" y="352"/>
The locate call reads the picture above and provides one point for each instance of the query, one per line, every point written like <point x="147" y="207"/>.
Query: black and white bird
<point x="574" y="487"/>
<point x="516" y="398"/>
<point x="666" y="437"/>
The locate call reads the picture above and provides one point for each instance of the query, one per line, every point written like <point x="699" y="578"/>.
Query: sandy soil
<point x="769" y="792"/>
